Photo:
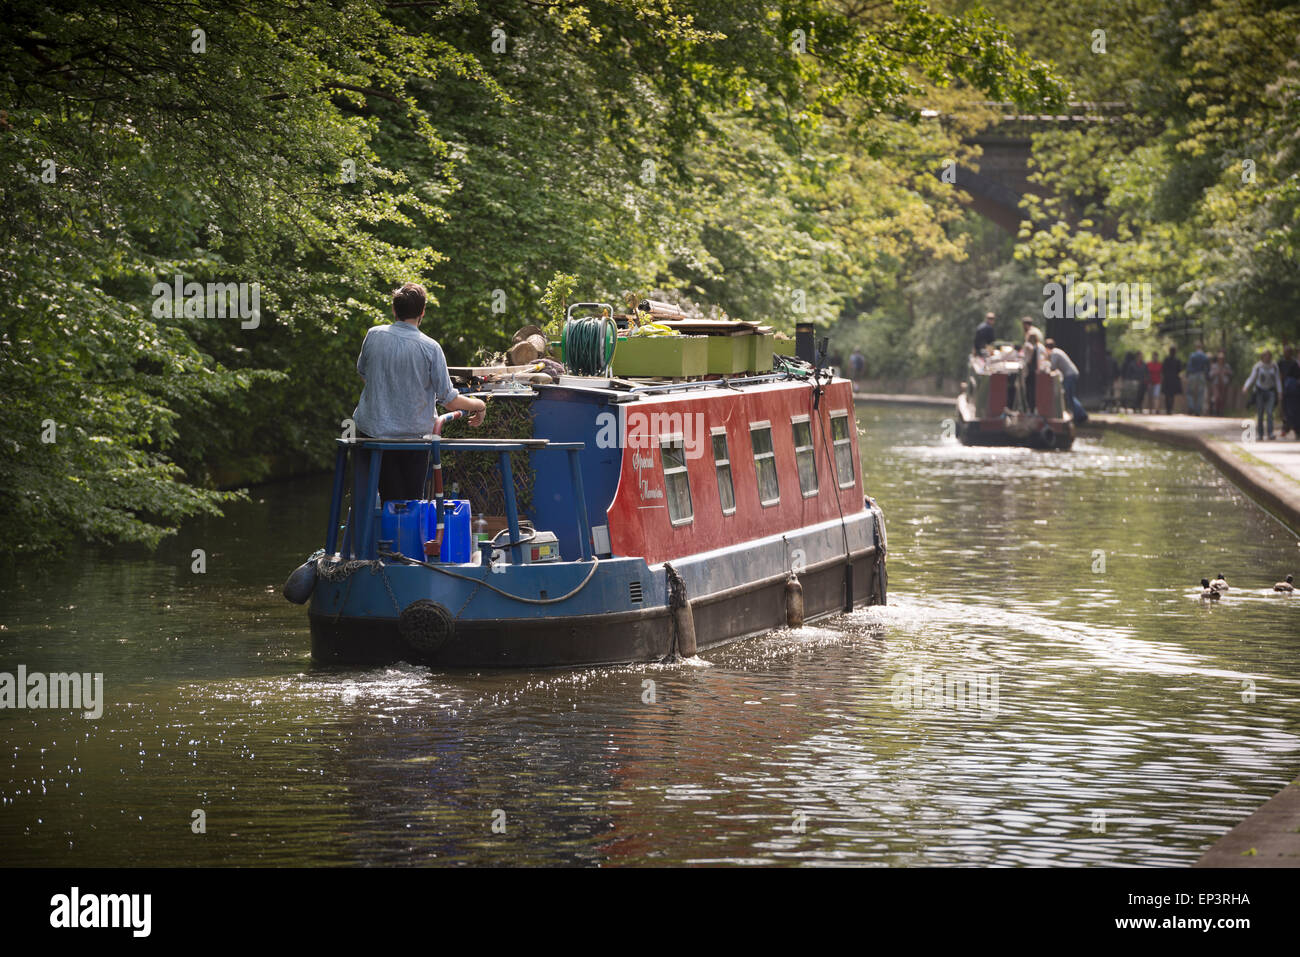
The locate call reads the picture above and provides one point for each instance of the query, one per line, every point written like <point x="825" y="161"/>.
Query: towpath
<point x="1268" y="838"/>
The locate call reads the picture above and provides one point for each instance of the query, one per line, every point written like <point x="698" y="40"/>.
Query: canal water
<point x="1045" y="687"/>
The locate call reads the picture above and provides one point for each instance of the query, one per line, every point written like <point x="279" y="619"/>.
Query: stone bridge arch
<point x="1000" y="182"/>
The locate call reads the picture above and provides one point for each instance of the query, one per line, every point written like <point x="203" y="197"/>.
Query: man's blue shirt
<point x="406" y="376"/>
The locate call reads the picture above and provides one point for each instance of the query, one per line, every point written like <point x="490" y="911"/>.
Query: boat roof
<point x="683" y="389"/>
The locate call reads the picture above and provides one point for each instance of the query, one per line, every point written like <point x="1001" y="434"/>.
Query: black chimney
<point x="804" y="346"/>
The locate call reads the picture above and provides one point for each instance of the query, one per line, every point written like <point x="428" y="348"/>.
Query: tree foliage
<point x="754" y="155"/>
<point x="1193" y="186"/>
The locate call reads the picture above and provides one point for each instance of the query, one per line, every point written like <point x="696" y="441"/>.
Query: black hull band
<point x="554" y="642"/>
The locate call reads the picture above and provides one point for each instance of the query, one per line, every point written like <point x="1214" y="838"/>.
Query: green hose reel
<point x="587" y="344"/>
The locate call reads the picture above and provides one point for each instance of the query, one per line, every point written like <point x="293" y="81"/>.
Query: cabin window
<point x="769" y="489"/>
<point x="804" y="456"/>
<point x="722" y="465"/>
<point x="677" y="484"/>
<point x="843" y="443"/>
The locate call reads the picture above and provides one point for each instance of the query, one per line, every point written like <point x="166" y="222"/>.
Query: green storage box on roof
<point x="670" y="357"/>
<point x="760" y="353"/>
<point x="728" y="354"/>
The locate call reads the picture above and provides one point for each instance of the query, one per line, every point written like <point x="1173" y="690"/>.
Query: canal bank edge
<point x="866" y="398"/>
<point x="1268" y="838"/>
<point x="1275" y="491"/>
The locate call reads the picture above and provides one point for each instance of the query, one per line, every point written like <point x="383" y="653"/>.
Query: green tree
<point x="328" y="150"/>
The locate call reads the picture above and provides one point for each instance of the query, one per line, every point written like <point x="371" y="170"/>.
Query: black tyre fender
<point x="425" y="625"/>
<point x="301" y="583"/>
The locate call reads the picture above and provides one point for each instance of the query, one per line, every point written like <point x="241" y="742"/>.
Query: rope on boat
<point x="844" y="531"/>
<point x="339" y="571"/>
<point x="407" y="560"/>
<point x="343" y="571"/>
<point x="835" y="476"/>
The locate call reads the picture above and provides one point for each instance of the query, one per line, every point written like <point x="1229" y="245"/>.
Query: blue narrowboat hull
<point x="622" y="614"/>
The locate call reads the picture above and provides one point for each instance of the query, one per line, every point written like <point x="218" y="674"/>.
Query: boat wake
<point x="1002" y="633"/>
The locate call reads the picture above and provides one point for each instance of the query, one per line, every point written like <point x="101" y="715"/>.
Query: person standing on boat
<point x="1032" y="365"/>
<point x="406" y="378"/>
<point x="984" y="334"/>
<point x="1198" y="367"/>
<point x="1030" y="330"/>
<point x="1267" y="383"/>
<point x="1062" y="363"/>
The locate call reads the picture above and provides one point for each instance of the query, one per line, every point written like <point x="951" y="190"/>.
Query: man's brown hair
<point x="408" y="302"/>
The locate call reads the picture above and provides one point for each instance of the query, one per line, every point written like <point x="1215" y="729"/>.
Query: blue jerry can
<point x="455" y="547"/>
<point x="402" y="523"/>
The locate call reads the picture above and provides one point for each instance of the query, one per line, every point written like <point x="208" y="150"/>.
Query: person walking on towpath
<point x="1170" y="384"/>
<point x="1198" y="370"/>
<point x="1153" y="380"/>
<point x="406" y="377"/>
<point x="1135" y="382"/>
<point x="1220" y="379"/>
<point x="857" y="364"/>
<point x="1288" y="370"/>
<point x="1264" y="379"/>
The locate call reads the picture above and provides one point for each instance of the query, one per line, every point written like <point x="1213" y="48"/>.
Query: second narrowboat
<point x="1010" y="398"/>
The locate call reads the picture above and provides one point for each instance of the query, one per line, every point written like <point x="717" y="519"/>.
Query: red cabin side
<point x="639" y="516"/>
<point x="997" y="394"/>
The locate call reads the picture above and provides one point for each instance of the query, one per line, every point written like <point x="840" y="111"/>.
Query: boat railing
<point x="711" y="383"/>
<point x="360" y="538"/>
